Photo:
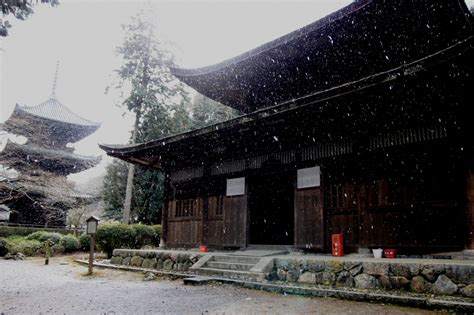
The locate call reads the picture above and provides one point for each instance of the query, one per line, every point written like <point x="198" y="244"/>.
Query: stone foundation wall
<point x="439" y="278"/>
<point x="155" y="259"/>
<point x="448" y="277"/>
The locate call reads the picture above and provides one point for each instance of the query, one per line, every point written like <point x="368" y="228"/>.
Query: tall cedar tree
<point x="164" y="108"/>
<point x="158" y="100"/>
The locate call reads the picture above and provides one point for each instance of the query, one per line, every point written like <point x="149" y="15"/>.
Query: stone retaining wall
<point x="445" y="277"/>
<point x="156" y="259"/>
<point x="448" y="278"/>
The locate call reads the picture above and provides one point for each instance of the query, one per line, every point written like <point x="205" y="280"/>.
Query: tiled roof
<point x="55" y="110"/>
<point x="51" y="160"/>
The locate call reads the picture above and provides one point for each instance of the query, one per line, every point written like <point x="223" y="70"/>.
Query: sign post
<point x="92" y="223"/>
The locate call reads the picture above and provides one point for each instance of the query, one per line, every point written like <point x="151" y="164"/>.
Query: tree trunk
<point x="131" y="172"/>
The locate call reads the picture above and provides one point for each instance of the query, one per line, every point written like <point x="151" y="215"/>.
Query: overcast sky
<point x="83" y="36"/>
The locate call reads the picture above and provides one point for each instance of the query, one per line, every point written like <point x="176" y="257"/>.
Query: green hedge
<point x="111" y="236"/>
<point x="36" y="235"/>
<point x="33" y="244"/>
<point x="85" y="242"/>
<point x="18" y="244"/>
<point x="43" y="236"/>
<point x="6" y="231"/>
<point x="70" y="243"/>
<point x="157" y="229"/>
<point x="144" y="235"/>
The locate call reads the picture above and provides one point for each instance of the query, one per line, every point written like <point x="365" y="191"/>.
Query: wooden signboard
<point x="308" y="177"/>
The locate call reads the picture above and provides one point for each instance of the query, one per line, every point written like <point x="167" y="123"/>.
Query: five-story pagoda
<point x="41" y="194"/>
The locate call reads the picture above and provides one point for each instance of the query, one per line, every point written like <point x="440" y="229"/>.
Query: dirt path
<point x="29" y="287"/>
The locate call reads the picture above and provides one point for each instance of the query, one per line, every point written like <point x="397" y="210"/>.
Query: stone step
<point x="230" y="274"/>
<point x="198" y="280"/>
<point x="236" y="259"/>
<point x="275" y="248"/>
<point x="229" y="265"/>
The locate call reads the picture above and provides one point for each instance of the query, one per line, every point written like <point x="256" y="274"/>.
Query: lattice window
<point x="185" y="208"/>
<point x="216" y="206"/>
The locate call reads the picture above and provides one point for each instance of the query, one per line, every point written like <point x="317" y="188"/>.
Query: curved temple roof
<point x="54" y="110"/>
<point x="428" y="72"/>
<point x="49" y="124"/>
<point x="54" y="161"/>
<point x="432" y="66"/>
<point x="364" y="38"/>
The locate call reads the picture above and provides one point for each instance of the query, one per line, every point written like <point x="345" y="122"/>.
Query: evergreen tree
<point x="158" y="101"/>
<point x="206" y="112"/>
<point x="113" y="189"/>
<point x="162" y="108"/>
<point x="147" y="196"/>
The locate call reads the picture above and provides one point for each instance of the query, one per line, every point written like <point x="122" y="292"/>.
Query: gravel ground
<point x="29" y="287"/>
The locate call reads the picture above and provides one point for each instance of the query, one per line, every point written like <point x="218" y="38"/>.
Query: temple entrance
<point x="271" y="209"/>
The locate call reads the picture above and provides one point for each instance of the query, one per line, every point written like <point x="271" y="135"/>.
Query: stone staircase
<point x="249" y="268"/>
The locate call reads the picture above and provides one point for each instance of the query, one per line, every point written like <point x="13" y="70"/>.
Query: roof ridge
<point x="53" y="109"/>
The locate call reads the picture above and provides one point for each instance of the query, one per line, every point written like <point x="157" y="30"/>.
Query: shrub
<point x="84" y="242"/>
<point x="157" y="229"/>
<point x="6" y="231"/>
<point x="70" y="243"/>
<point x="111" y="236"/>
<point x="53" y="237"/>
<point x="36" y="235"/>
<point x="58" y="248"/>
<point x="144" y="235"/>
<point x="22" y="245"/>
<point x="43" y="236"/>
<point x="3" y="247"/>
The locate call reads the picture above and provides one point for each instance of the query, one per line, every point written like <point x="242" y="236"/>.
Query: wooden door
<point x="235" y="221"/>
<point x="309" y="227"/>
<point x="271" y="209"/>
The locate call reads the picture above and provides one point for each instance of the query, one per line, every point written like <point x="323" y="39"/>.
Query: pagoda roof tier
<point x="49" y="124"/>
<point x="413" y="98"/>
<point x="25" y="157"/>
<point x="360" y="40"/>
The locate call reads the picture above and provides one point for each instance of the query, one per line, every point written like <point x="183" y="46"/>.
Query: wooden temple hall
<point x="358" y="123"/>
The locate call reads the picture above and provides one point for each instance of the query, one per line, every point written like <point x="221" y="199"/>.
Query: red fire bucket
<point x="337" y="245"/>
<point x="390" y="253"/>
<point x="203" y="248"/>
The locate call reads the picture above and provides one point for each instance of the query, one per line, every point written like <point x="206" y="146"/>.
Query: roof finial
<point x="55" y="80"/>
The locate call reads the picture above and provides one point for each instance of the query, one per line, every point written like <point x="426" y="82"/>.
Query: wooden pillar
<point x="204" y="219"/>
<point x="470" y="210"/>
<point x="362" y="203"/>
<point x="361" y="147"/>
<point x="205" y="206"/>
<point x="168" y="194"/>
